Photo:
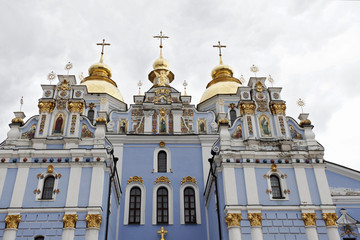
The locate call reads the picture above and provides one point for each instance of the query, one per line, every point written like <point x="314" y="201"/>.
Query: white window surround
<point x="197" y="202"/>
<point x="127" y="202"/>
<point x="170" y="202"/>
<point x="282" y="181"/>
<point x="168" y="158"/>
<point x="40" y="186"/>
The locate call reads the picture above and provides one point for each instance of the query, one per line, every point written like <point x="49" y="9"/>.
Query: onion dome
<point x="222" y="82"/>
<point x="99" y="80"/>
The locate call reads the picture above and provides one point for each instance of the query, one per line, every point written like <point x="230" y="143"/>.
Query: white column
<point x="250" y="183"/>
<point x="256" y="233"/>
<point x="68" y="233"/>
<point x="10" y="234"/>
<point x="97" y="187"/>
<point x="229" y="184"/>
<point x="19" y="187"/>
<point x="302" y="184"/>
<point x="322" y="184"/>
<point x="333" y="232"/>
<point x="3" y="172"/>
<point x="234" y="233"/>
<point x="92" y="234"/>
<point x="74" y="187"/>
<point x="311" y="233"/>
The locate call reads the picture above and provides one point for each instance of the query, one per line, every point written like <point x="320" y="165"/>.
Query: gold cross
<point x="161" y="36"/>
<point x="162" y="232"/>
<point x="103" y="44"/>
<point x="220" y="46"/>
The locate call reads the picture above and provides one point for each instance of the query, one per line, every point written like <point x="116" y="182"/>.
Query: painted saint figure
<point x="264" y="122"/>
<point x="123" y="128"/>
<point x="202" y="126"/>
<point x="162" y="77"/>
<point x="237" y="133"/>
<point x="162" y="126"/>
<point x="58" y="124"/>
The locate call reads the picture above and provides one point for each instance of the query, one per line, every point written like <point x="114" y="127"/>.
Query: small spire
<point x="254" y="69"/>
<point x="51" y="76"/>
<point x="161" y="36"/>
<point x="185" y="85"/>
<point x="271" y="80"/>
<point x="103" y="44"/>
<point x="242" y="79"/>
<point x="220" y="46"/>
<point x="301" y="103"/>
<point x="21" y="102"/>
<point x="68" y="66"/>
<point x="139" y="85"/>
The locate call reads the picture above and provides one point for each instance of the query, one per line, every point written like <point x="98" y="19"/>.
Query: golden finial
<point x="162" y="232"/>
<point x="103" y="44"/>
<point x="81" y="76"/>
<point x="301" y="103"/>
<point x="220" y="46"/>
<point x="68" y="66"/>
<point x="161" y="36"/>
<point x="271" y="80"/>
<point x="242" y="79"/>
<point x="185" y="85"/>
<point x="254" y="69"/>
<point x="21" y="102"/>
<point x="139" y="85"/>
<point x="51" y="76"/>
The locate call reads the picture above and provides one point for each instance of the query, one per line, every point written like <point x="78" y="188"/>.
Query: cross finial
<point x="220" y="46"/>
<point x="103" y="44"/>
<point x="21" y="102"/>
<point x="161" y="36"/>
<point x="162" y="233"/>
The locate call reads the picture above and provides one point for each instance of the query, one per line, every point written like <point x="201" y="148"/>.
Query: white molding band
<point x="96" y="187"/>
<point x="74" y="186"/>
<point x="19" y="187"/>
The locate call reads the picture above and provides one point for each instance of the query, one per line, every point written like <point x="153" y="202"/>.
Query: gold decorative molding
<point x="93" y="220"/>
<point x="162" y="179"/>
<point x="18" y="120"/>
<point x="273" y="168"/>
<point x="188" y="179"/>
<point x="330" y="219"/>
<point x="77" y="107"/>
<point x="223" y="121"/>
<point x="278" y="108"/>
<point x="255" y="219"/>
<point x="101" y="119"/>
<point x="309" y="219"/>
<point x="65" y="85"/>
<point x="233" y="219"/>
<point x="46" y="106"/>
<point x="162" y="144"/>
<point x="247" y="108"/>
<point x="70" y="220"/>
<point x="50" y="169"/>
<point x="135" y="179"/>
<point x="12" y="221"/>
<point x="305" y="122"/>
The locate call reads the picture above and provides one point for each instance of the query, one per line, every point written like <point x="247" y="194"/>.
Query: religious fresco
<point x="162" y="124"/>
<point x="73" y="123"/>
<point x="282" y="125"/>
<point x="237" y="134"/>
<point x="202" y="125"/>
<point x="29" y="134"/>
<point x="265" y="128"/>
<point x="85" y="132"/>
<point x="250" y="126"/>
<point x="295" y="134"/>
<point x="59" y="124"/>
<point x="123" y="126"/>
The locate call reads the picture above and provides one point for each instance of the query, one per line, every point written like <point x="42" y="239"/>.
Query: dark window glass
<point x="275" y="187"/>
<point x="39" y="238"/>
<point x="91" y="115"/>
<point x="162" y="206"/>
<point x="48" y="187"/>
<point x="189" y="205"/>
<point x="135" y="206"/>
<point x="232" y="116"/>
<point x="162" y="161"/>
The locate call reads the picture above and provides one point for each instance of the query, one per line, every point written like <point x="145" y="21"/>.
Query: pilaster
<point x="233" y="222"/>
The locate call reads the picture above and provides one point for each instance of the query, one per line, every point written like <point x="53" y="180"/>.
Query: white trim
<point x="74" y="187"/>
<point x="44" y="175"/>
<point x="96" y="187"/>
<point x="281" y="177"/>
<point x="168" y="158"/>
<point x="229" y="186"/>
<point x="127" y="202"/>
<point x="197" y="202"/>
<point x="3" y="172"/>
<point x="302" y="184"/>
<point x="322" y="184"/>
<point x="250" y="184"/>
<point x="19" y="187"/>
<point x="170" y="202"/>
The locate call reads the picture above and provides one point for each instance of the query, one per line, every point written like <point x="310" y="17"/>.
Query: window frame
<point x="232" y="120"/>
<point x="136" y="208"/>
<point x="127" y="202"/>
<point x="197" y="202"/>
<point x="170" y="203"/>
<point x="46" y="179"/>
<point x="282" y="180"/>
<point x="162" y="208"/>
<point x="168" y="159"/>
<point x="40" y="187"/>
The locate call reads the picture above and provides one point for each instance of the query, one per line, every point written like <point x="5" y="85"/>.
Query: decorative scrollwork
<point x="188" y="179"/>
<point x="330" y="219"/>
<point x="93" y="220"/>
<point x="255" y="219"/>
<point x="233" y="219"/>
<point x="309" y="219"/>
<point x="70" y="220"/>
<point x="162" y="179"/>
<point x="46" y="106"/>
<point x="12" y="221"/>
<point x="135" y="179"/>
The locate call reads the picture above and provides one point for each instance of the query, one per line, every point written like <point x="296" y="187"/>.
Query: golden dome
<point x="161" y="63"/>
<point x="99" y="81"/>
<point x="222" y="82"/>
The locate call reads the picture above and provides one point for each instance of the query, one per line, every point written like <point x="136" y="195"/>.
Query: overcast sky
<point x="311" y="49"/>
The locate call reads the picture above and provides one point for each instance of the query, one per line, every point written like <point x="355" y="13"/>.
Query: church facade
<point x="234" y="167"/>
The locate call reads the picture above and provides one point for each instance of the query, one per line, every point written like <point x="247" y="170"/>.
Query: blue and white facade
<point x="234" y="167"/>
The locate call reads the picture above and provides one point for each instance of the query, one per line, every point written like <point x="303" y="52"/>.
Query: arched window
<point x="232" y="116"/>
<point x="162" y="206"/>
<point x="275" y="187"/>
<point x="162" y="167"/>
<point x="91" y="114"/>
<point x="189" y="205"/>
<point x="39" y="238"/>
<point x="48" y="188"/>
<point x="135" y="206"/>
